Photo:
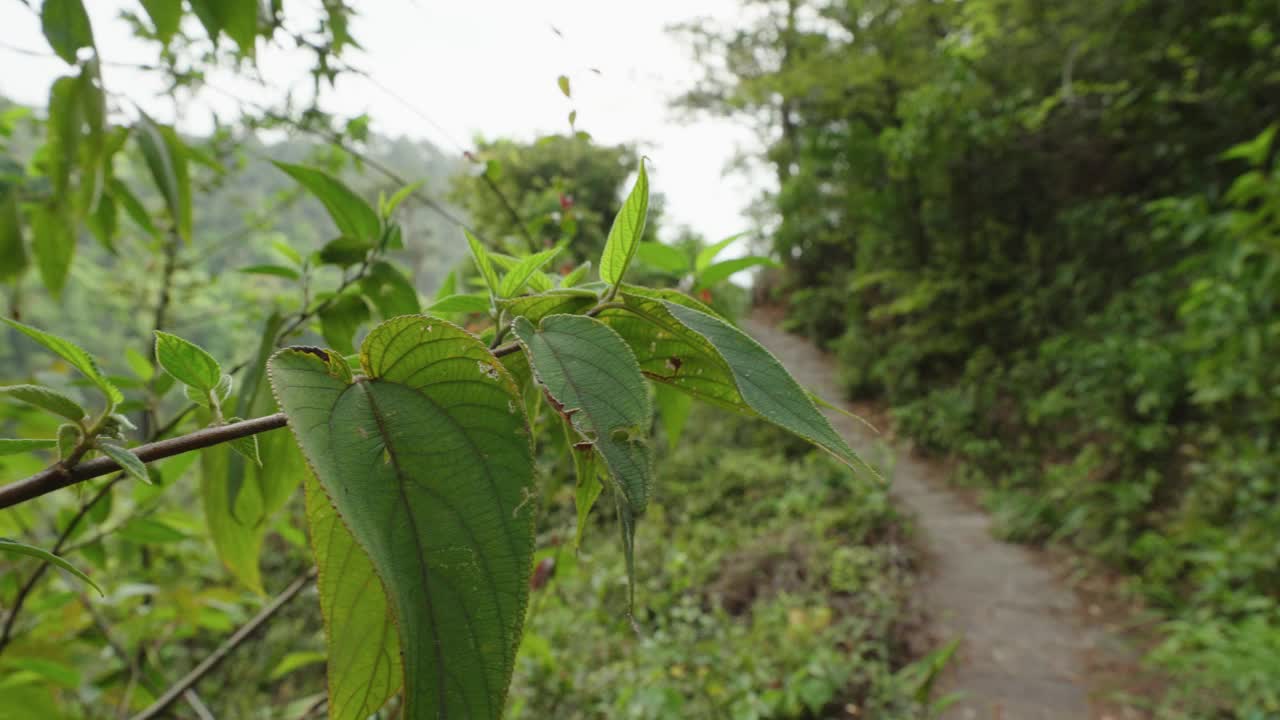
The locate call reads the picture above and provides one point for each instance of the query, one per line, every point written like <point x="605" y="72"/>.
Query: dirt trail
<point x="1025" y="652"/>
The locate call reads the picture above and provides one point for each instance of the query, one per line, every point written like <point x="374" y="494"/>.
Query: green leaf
<point x="148" y="531"/>
<point x="16" y="446"/>
<point x="353" y="216"/>
<point x="483" y="263"/>
<point x="13" y="547"/>
<point x="237" y="526"/>
<point x="65" y="125"/>
<point x="461" y="303"/>
<point x="340" y="320"/>
<point x="503" y="260"/>
<point x="46" y="398"/>
<point x="296" y="660"/>
<point x="69" y="437"/>
<point x="344" y="252"/>
<point x="73" y="354"/>
<point x="558" y="302"/>
<point x="54" y="244"/>
<point x="166" y="157"/>
<point x="251" y="399"/>
<point x="268" y="269"/>
<point x="237" y="18"/>
<point x="663" y="257"/>
<point x="127" y="461"/>
<point x="576" y="275"/>
<point x="201" y="397"/>
<point x="427" y="459"/>
<point x="389" y="291"/>
<point x="61" y="675"/>
<point x="627" y="229"/>
<point x="187" y="362"/>
<point x="286" y="251"/>
<point x="674" y="296"/>
<point x="720" y="271"/>
<point x="400" y="196"/>
<point x="710" y="359"/>
<point x="516" y="278"/>
<point x="13" y="251"/>
<point x="360" y="635"/>
<point x="709" y="253"/>
<point x="166" y="16"/>
<point x="594" y="381"/>
<point x="563" y="82"/>
<point x="587" y="488"/>
<point x="132" y="206"/>
<point x="673" y="411"/>
<point x="204" y="11"/>
<point x="1254" y="150"/>
<point x="104" y="223"/>
<point x="449" y="286"/>
<point x="246" y="447"/>
<point x="66" y="27"/>
<point x="541" y="282"/>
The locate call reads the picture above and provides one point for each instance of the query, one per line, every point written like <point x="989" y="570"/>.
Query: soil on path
<point x="1027" y="651"/>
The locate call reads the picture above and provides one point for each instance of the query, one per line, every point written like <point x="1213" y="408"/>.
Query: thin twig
<point x="60" y="476"/>
<point x="306" y="314"/>
<point x="217" y="656"/>
<point x="511" y="210"/>
<point x="197" y="705"/>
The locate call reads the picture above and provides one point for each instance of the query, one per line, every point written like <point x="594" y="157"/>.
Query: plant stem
<point x="306" y="314"/>
<point x="171" y="695"/>
<point x="61" y="475"/>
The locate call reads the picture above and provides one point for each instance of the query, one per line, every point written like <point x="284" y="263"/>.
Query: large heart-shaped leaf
<point x="427" y="459"/>
<point x="593" y="378"/>
<point x="364" y="650"/>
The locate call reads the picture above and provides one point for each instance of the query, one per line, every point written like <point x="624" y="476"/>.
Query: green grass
<point x="772" y="584"/>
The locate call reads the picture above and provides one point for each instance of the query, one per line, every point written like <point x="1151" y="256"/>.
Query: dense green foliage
<point x="415" y="433"/>
<point x="770" y="586"/>
<point x="558" y="188"/>
<point x="1049" y="236"/>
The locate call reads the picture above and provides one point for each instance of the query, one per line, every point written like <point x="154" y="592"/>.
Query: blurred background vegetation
<point x="1045" y="236"/>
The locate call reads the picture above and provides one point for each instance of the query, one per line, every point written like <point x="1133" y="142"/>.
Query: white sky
<point x="480" y="67"/>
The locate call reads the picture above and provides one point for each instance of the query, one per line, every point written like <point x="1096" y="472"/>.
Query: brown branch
<point x="60" y="476"/>
<point x="171" y="695"/>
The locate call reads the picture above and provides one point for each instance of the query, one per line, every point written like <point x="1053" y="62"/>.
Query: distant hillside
<point x="236" y="216"/>
<point x="432" y="243"/>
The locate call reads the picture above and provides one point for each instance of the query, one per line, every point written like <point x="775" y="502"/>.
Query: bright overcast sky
<point x="486" y="67"/>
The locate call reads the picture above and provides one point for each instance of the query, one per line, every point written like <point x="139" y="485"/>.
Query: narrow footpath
<point x="1026" y="648"/>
